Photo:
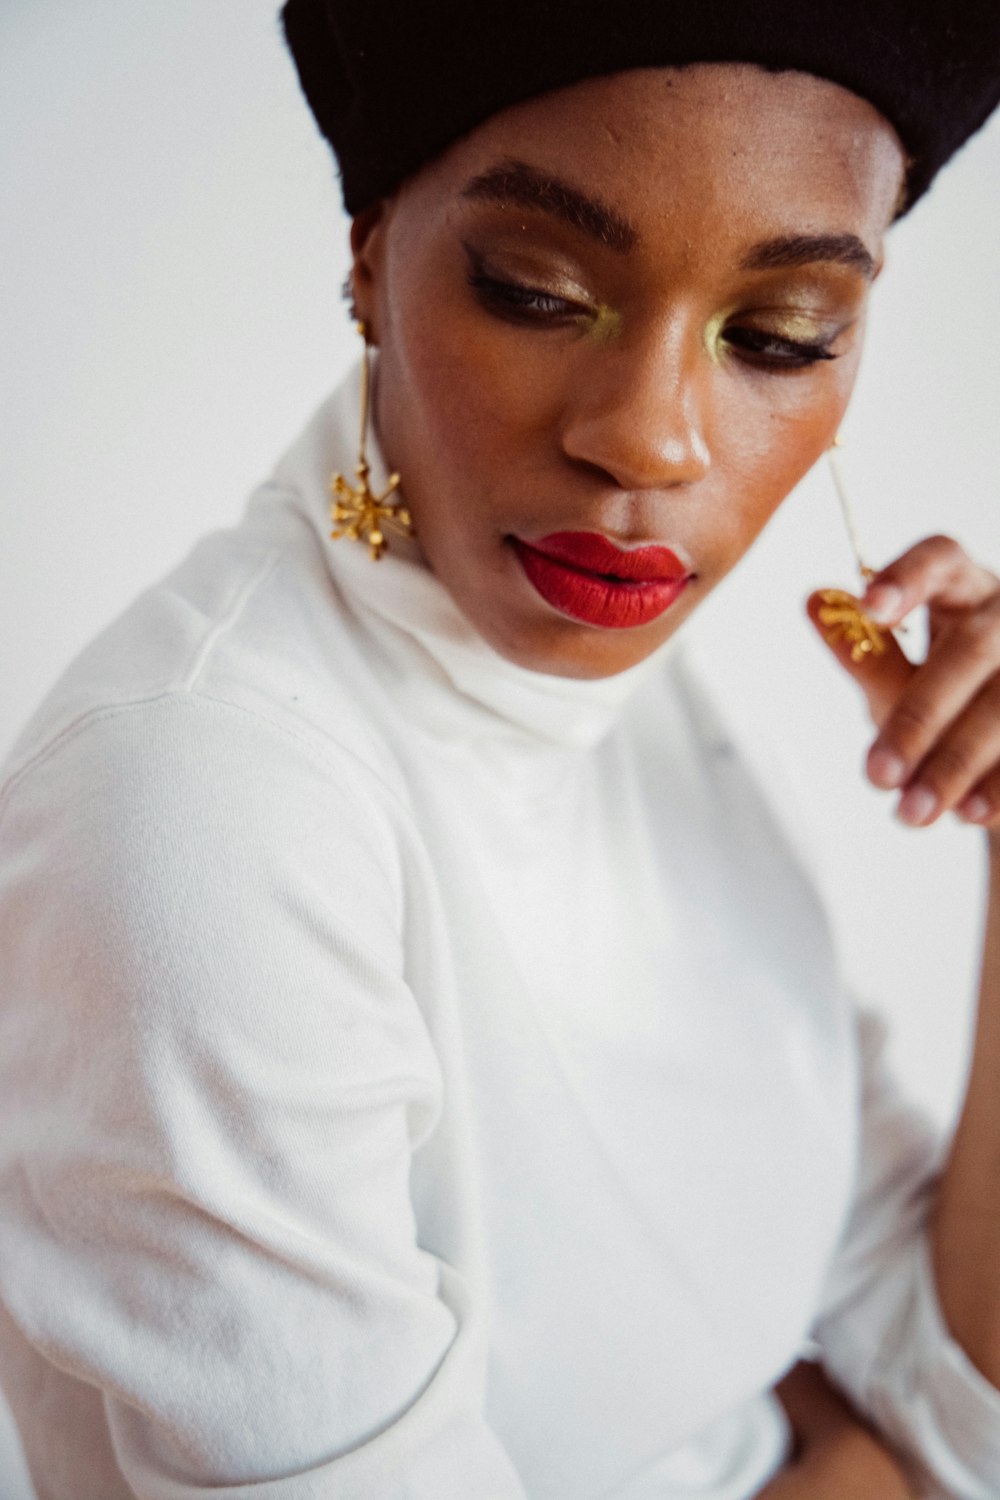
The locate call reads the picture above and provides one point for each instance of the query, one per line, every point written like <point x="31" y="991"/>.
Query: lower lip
<point x="614" y="603"/>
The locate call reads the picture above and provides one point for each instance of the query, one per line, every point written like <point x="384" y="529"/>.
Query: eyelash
<point x="792" y="354"/>
<point x="522" y="304"/>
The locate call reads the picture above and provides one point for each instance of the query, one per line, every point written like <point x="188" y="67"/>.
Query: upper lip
<point x="594" y="553"/>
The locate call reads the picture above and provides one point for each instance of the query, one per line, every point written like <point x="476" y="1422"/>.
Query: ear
<point x="368" y="249"/>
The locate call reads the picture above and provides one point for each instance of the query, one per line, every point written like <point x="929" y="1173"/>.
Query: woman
<point x="425" y="1069"/>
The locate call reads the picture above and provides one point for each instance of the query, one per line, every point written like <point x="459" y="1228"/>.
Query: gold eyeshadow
<point x="606" y="324"/>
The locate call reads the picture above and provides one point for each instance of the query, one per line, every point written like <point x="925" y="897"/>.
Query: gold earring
<point x="355" y="512"/>
<point x="841" y="613"/>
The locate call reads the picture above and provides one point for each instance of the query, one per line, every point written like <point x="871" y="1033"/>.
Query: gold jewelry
<point x="836" y="474"/>
<point x="355" y="512"/>
<point x="845" y="620"/>
<point x="841" y="613"/>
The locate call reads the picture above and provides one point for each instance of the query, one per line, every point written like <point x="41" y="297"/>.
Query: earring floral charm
<point x="355" y="511"/>
<point x="843" y="619"/>
<point x="841" y="614"/>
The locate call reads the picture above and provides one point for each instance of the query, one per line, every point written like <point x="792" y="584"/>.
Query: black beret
<point x="393" y="82"/>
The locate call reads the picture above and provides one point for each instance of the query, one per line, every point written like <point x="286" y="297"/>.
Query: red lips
<point x="585" y="576"/>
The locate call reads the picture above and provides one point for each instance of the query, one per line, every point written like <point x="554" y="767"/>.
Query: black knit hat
<point x="394" y="82"/>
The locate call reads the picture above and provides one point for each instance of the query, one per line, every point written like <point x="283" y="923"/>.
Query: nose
<point x="640" y="413"/>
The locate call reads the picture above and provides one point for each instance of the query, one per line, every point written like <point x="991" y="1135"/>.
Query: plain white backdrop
<point x="171" y="253"/>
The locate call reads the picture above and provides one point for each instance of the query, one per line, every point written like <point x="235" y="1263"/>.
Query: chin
<point x="566" y="648"/>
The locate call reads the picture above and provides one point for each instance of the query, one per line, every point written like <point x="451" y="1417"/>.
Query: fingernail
<point x="883" y="602"/>
<point x="917" y="806"/>
<point x="975" y="809"/>
<point x="886" y="769"/>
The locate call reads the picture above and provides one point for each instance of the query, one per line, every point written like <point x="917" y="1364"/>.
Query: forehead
<point x="705" y="145"/>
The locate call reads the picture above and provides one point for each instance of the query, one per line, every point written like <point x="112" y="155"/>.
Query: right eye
<point x="523" y="304"/>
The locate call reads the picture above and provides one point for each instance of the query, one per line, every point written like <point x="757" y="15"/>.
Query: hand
<point x="939" y="720"/>
<point x="838" y="1457"/>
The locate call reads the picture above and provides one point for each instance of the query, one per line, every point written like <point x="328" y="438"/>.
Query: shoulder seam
<point x="191" y="698"/>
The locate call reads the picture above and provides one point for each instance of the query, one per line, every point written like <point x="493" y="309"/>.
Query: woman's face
<point x="630" y="312"/>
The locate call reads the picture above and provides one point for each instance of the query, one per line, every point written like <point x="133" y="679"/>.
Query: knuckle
<point x="937" y="555"/>
<point x="940" y="545"/>
<point x="910" y="724"/>
<point x="951" y="763"/>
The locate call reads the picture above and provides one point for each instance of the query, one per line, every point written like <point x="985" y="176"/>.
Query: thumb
<point x="868" y="652"/>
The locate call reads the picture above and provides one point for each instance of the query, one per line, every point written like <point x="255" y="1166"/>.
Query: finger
<point x="881" y="672"/>
<point x="963" y="658"/>
<point x="935" y="571"/>
<point x="982" y="805"/>
<point x="959" y="761"/>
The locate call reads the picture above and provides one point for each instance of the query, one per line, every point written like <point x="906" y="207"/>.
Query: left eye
<point x="772" y="351"/>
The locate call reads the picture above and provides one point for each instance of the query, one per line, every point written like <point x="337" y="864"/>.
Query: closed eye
<point x="516" y="301"/>
<point x="523" y="304"/>
<point x="771" y="351"/>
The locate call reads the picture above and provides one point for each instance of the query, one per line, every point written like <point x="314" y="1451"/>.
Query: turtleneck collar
<point x="400" y="601"/>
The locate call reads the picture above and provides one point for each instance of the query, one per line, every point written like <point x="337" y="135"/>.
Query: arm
<point x="837" y="1456"/>
<point x="213" y="1082"/>
<point x="938" y="745"/>
<point x="965" y="1224"/>
<point x="911" y="1320"/>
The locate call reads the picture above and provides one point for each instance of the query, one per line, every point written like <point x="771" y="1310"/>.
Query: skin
<point x="637" y="415"/>
<point x="838" y="1457"/>
<point x="650" y="397"/>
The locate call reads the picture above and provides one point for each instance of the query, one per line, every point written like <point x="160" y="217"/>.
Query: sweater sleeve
<point x="213" y="1078"/>
<point x="881" y="1331"/>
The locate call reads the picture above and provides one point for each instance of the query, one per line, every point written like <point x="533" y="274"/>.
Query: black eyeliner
<point x="797" y="353"/>
<point x="513" y="301"/>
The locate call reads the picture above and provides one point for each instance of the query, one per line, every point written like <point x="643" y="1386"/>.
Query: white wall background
<point x="171" y="251"/>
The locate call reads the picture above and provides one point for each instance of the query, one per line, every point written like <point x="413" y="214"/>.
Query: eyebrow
<point x="791" y="250"/>
<point x="516" y="182"/>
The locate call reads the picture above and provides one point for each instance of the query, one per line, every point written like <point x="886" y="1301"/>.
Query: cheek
<point x="473" y="398"/>
<point x="800" y="424"/>
<point x="767" y="453"/>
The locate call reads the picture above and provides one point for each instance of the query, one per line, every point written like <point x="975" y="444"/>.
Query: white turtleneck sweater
<point x="424" y="1079"/>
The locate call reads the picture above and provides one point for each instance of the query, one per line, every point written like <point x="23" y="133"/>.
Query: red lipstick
<point x="585" y="576"/>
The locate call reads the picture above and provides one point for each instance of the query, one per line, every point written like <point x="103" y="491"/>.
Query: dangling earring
<point x="841" y="614"/>
<point x="355" y="512"/>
